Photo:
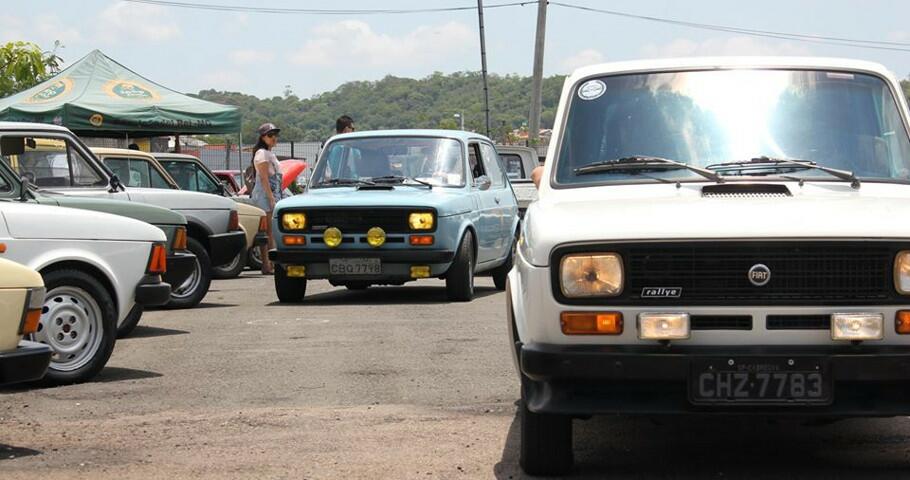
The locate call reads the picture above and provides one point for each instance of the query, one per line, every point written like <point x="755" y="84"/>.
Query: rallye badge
<point x="661" y="292"/>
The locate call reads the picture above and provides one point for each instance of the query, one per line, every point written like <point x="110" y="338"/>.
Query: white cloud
<point x="137" y="21"/>
<point x="247" y="56"/>
<point x="40" y="29"/>
<point x="588" y="56"/>
<point x="739" y="45"/>
<point x="355" y="43"/>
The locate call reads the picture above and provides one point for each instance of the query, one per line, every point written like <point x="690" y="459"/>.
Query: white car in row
<point x="21" y="299"/>
<point x="97" y="268"/>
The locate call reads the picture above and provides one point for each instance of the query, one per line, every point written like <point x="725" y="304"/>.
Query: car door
<point x="487" y="222"/>
<point x="502" y="198"/>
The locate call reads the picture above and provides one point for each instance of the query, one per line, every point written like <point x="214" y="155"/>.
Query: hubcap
<point x="256" y="255"/>
<point x="189" y="286"/>
<point x="71" y="324"/>
<point x="233" y="264"/>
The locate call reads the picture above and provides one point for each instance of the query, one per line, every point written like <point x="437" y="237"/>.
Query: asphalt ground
<point x="384" y="383"/>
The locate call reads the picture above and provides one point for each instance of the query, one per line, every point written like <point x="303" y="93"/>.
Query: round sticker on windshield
<point x="591" y="89"/>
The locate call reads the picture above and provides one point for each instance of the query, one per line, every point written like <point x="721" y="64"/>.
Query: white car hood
<point x="180" y="199"/>
<point x="663" y="211"/>
<point x="31" y="221"/>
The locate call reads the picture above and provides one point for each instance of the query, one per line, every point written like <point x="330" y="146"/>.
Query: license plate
<point x="764" y="381"/>
<point x="355" y="266"/>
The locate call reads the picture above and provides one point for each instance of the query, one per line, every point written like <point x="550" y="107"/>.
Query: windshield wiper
<point x="763" y="161"/>
<point x="644" y="162"/>
<point x="344" y="182"/>
<point x="400" y="179"/>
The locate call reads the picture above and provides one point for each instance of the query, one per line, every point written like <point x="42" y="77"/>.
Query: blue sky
<point x="255" y="53"/>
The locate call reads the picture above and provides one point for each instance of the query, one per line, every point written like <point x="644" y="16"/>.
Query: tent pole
<point x="177" y="143"/>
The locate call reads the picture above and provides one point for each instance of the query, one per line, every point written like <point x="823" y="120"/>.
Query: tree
<point x="24" y="65"/>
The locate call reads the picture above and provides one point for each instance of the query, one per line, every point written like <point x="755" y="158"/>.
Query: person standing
<point x="267" y="186"/>
<point x="344" y="124"/>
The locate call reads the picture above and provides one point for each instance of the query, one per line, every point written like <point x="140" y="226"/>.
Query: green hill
<point x="395" y="102"/>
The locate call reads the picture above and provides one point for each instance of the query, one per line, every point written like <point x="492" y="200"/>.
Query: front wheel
<point x="79" y="322"/>
<point x="288" y="289"/>
<point x="233" y="269"/>
<point x="254" y="258"/>
<point x="460" y="277"/>
<point x="546" y="442"/>
<point x="194" y="289"/>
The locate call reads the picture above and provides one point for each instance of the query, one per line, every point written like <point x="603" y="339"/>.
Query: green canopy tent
<point x="97" y="96"/>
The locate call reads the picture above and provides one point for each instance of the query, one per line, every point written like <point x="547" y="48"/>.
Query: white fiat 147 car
<point x="715" y="236"/>
<point x="97" y="268"/>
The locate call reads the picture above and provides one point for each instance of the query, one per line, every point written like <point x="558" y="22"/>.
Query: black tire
<point x="130" y="322"/>
<point x="191" y="297"/>
<point x="233" y="269"/>
<point x="501" y="273"/>
<point x="106" y="320"/>
<point x="254" y="258"/>
<point x="288" y="289"/>
<point x="546" y="442"/>
<point x="460" y="277"/>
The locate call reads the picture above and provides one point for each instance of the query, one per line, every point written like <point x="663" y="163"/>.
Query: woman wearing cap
<point x="267" y="187"/>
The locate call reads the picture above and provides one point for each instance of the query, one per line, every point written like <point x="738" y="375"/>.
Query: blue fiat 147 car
<point x="388" y="207"/>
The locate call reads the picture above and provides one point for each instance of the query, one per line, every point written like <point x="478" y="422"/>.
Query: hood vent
<point x="733" y="190"/>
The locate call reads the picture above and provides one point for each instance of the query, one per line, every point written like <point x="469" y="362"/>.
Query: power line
<point x="319" y="11"/>
<point x="798" y="37"/>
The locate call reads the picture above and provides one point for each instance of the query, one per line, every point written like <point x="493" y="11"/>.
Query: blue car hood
<point x="446" y="201"/>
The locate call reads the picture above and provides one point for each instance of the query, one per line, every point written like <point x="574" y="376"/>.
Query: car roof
<point x="32" y="126"/>
<point x="177" y="156"/>
<point x="121" y="152"/>
<point x="730" y="62"/>
<point x="438" y="133"/>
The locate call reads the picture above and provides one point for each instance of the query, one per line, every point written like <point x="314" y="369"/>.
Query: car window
<point x="51" y="162"/>
<point x="513" y="165"/>
<point x="474" y="162"/>
<point x="491" y="162"/>
<point x="190" y="176"/>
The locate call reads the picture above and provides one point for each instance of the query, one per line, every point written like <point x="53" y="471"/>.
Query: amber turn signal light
<point x="591" y="323"/>
<point x="294" y="240"/>
<point x="157" y="260"/>
<point x="180" y="239"/>
<point x="902" y="322"/>
<point x="34" y="301"/>
<point x="263" y="223"/>
<point x="421" y="240"/>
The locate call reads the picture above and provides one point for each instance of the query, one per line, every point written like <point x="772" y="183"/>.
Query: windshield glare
<point x="438" y="161"/>
<point x="847" y="121"/>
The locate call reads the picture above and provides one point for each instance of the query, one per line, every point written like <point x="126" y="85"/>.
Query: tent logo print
<point x="130" y="90"/>
<point x="52" y="91"/>
<point x="96" y="120"/>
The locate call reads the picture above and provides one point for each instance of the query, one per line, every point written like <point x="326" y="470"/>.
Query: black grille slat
<point x="721" y="322"/>
<point x="798" y="322"/>
<point x="715" y="273"/>
<point x="359" y="220"/>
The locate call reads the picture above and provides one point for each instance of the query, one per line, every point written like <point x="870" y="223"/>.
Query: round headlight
<point x="332" y="237"/>
<point x="376" y="237"/>
<point x="591" y="275"/>
<point x="293" y="221"/>
<point x="902" y="272"/>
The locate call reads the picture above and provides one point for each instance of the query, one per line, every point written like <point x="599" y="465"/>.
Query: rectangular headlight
<point x="293" y="221"/>
<point x="421" y="221"/>
<point x="663" y="326"/>
<point x="591" y="275"/>
<point x="857" y="326"/>
<point x="902" y="272"/>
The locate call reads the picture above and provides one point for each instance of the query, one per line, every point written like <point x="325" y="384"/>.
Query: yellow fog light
<point x="296" y="271"/>
<point x="421" y="221"/>
<point x="332" y="237"/>
<point x="293" y="221"/>
<point x="420" y="271"/>
<point x="376" y="237"/>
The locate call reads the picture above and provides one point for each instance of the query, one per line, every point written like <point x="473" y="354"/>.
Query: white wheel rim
<point x="256" y="254"/>
<point x="233" y="264"/>
<point x="72" y="325"/>
<point x="189" y="286"/>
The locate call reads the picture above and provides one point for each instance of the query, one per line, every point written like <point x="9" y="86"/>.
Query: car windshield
<point x="847" y="121"/>
<point x="437" y="161"/>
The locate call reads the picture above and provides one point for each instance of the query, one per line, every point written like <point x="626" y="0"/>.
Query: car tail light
<point x="263" y="223"/>
<point x="157" y="260"/>
<point x="234" y="221"/>
<point x="180" y="239"/>
<point x="34" y="301"/>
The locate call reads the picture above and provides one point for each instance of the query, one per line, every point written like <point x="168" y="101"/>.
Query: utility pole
<point x="537" y="78"/>
<point x="483" y="66"/>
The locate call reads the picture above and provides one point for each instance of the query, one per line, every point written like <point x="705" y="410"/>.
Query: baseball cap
<point x="266" y="128"/>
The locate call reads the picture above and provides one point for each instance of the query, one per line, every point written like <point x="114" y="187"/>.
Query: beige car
<point x="21" y="299"/>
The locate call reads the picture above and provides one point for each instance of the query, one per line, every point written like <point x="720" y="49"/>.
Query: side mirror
<point x="483" y="182"/>
<point x="23" y="188"/>
<point x="219" y="190"/>
<point x="116" y="185"/>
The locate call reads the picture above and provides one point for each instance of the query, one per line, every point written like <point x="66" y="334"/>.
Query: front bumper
<point x="27" y="362"/>
<point x="610" y="379"/>
<point x="224" y="247"/>
<point x="180" y="265"/>
<point x="152" y="292"/>
<point x="395" y="263"/>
